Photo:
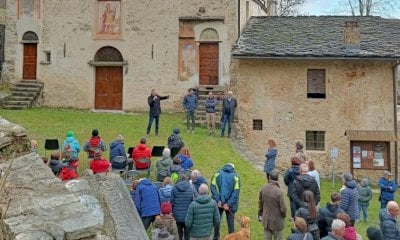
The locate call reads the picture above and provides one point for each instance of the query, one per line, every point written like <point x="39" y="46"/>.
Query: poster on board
<point x="356" y="157"/>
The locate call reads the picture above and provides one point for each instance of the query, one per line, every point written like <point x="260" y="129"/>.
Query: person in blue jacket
<point x="388" y="188"/>
<point x="190" y="106"/>
<point x="270" y="155"/>
<point x="147" y="201"/>
<point x="225" y="189"/>
<point x="71" y="143"/>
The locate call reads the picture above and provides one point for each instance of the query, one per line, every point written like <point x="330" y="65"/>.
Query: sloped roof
<point x="317" y="37"/>
<point x="360" y="135"/>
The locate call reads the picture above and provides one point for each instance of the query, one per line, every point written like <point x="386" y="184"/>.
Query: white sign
<point x="334" y="152"/>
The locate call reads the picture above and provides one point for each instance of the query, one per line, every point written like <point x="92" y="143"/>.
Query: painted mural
<point x="109" y="18"/>
<point x="188" y="53"/>
<point x="27" y="8"/>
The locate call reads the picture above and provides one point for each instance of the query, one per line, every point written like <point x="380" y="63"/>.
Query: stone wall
<point x="34" y="204"/>
<point x="358" y="97"/>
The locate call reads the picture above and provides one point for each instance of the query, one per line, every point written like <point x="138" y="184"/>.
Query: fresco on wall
<point x="188" y="53"/>
<point x="27" y="7"/>
<point x="109" y="18"/>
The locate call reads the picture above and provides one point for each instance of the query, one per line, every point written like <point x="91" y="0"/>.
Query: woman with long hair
<point x="270" y="156"/>
<point x="309" y="211"/>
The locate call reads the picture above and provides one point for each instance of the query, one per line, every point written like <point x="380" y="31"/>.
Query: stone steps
<point x="24" y="94"/>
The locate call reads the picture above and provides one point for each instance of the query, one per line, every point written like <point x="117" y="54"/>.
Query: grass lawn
<point x="208" y="153"/>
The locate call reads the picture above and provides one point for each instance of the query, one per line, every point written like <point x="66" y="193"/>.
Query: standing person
<point x="337" y="233"/>
<point x="74" y="145"/>
<point x="388" y="188"/>
<point x="309" y="211"/>
<point x="388" y="219"/>
<point x="190" y="106"/>
<point x="202" y="215"/>
<point x="94" y="143"/>
<point x="364" y="196"/>
<point x="229" y="105"/>
<point x="270" y="155"/>
<point x="299" y="231"/>
<point x="328" y="213"/>
<point x="272" y="208"/>
<point x="155" y="109"/>
<point x="313" y="172"/>
<point x="166" y="221"/>
<point x="147" y="201"/>
<point x="289" y="178"/>
<point x="350" y="232"/>
<point x="300" y="152"/>
<point x="349" y="202"/>
<point x="210" y="103"/>
<point x="225" y="190"/>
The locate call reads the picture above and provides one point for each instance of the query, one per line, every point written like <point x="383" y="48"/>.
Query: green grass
<point x="208" y="153"/>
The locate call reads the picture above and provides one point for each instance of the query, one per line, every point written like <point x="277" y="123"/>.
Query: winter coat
<point x="55" y="166"/>
<point x="228" y="107"/>
<point x="349" y="202"/>
<point x="210" y="104"/>
<point x="186" y="162"/>
<point x="198" y="181"/>
<point x="117" y="148"/>
<point x="165" y="193"/>
<point x="270" y="160"/>
<point x="94" y="142"/>
<point x="146" y="199"/>
<point x="190" y="103"/>
<point x="202" y="217"/>
<point x="315" y="174"/>
<point x="175" y="141"/>
<point x="141" y="151"/>
<point x="388" y="188"/>
<point x="155" y="106"/>
<point x="181" y="198"/>
<point x="300" y="184"/>
<point x="167" y="222"/>
<point x="162" y="166"/>
<point x="74" y="144"/>
<point x="389" y="227"/>
<point x="175" y="168"/>
<point x="326" y="216"/>
<point x="364" y="195"/>
<point x="289" y="177"/>
<point x="297" y="235"/>
<point x="350" y="233"/>
<point x="311" y="222"/>
<point x="225" y="187"/>
<point x="272" y="207"/>
<point x="331" y="237"/>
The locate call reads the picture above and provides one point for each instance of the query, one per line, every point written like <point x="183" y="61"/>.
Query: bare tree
<point x="288" y="7"/>
<point x="370" y="7"/>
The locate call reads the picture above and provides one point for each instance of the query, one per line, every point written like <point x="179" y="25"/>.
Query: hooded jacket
<point x="117" y="148"/>
<point x="364" y="195"/>
<point x="186" y="162"/>
<point x="141" y="151"/>
<point x="74" y="144"/>
<point x="165" y="193"/>
<point x="349" y="202"/>
<point x="202" y="216"/>
<point x="181" y="197"/>
<point x="225" y="187"/>
<point x="162" y="166"/>
<point x="327" y="214"/>
<point x="389" y="227"/>
<point x="175" y="141"/>
<point x="302" y="183"/>
<point x="147" y="201"/>
<point x="198" y="181"/>
<point x="297" y="235"/>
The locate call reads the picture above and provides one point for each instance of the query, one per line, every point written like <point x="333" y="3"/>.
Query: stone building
<point x="109" y="54"/>
<point x="326" y="81"/>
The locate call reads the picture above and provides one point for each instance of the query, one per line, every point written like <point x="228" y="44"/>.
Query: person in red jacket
<point x="141" y="151"/>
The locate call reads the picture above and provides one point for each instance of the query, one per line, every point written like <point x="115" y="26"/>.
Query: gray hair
<point x="203" y="189"/>
<point x="195" y="174"/>
<point x="347" y="177"/>
<point x="338" y="224"/>
<point x="273" y="175"/>
<point x="166" y="153"/>
<point x="364" y="181"/>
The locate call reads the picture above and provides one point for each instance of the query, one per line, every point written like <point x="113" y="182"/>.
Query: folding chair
<point x="51" y="144"/>
<point x="129" y="176"/>
<point x="157" y="151"/>
<point x="145" y="160"/>
<point x="174" y="152"/>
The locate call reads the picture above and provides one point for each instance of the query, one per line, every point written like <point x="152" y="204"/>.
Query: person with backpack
<point x="175" y="140"/>
<point x="94" y="143"/>
<point x="118" y="156"/>
<point x="175" y="170"/>
<point x="163" y="165"/>
<point x="72" y="144"/>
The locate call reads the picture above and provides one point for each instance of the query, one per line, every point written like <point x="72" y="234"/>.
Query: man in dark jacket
<point x="225" y="189"/>
<point x="210" y="104"/>
<point x="388" y="188"/>
<point x="155" y="109"/>
<point x="229" y="105"/>
<point x="328" y="213"/>
<point x="290" y="175"/>
<point x="202" y="215"/>
<point x="349" y="202"/>
<point x="388" y="218"/>
<point x="147" y="201"/>
<point x="117" y="149"/>
<point x="302" y="183"/>
<point x="272" y="207"/>
<point x="181" y="198"/>
<point x="190" y="107"/>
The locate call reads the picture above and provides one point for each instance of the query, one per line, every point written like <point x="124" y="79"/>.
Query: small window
<point x="48" y="56"/>
<point x="257" y="124"/>
<point x="316" y="83"/>
<point x="315" y="140"/>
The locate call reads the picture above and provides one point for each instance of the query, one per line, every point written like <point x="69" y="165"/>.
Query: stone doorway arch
<point x="209" y="57"/>
<point x="29" y="69"/>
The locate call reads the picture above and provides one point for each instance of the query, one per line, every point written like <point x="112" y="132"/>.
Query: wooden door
<point x="108" y="89"/>
<point x="208" y="63"/>
<point x="30" y="58"/>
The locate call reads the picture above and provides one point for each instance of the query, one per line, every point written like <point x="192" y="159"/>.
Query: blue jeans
<point x="384" y="203"/>
<point x="151" y="118"/>
<point x="226" y="118"/>
<point x="364" y="210"/>
<point x="230" y="219"/>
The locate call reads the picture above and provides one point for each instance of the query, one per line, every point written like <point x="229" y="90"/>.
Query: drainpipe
<point x="396" y="161"/>
<point x="238" y="6"/>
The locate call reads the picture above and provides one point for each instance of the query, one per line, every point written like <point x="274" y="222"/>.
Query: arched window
<point x="30" y="36"/>
<point x="108" y="54"/>
<point x="209" y="34"/>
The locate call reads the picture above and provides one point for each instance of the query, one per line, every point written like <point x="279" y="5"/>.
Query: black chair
<point x="174" y="151"/>
<point x="51" y="144"/>
<point x="157" y="151"/>
<point x="130" y="152"/>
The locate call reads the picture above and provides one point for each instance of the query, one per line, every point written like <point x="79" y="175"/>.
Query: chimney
<point x="352" y="35"/>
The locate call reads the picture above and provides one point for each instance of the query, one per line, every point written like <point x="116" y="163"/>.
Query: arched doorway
<point x="209" y="57"/>
<point x="30" y="40"/>
<point x="109" y="79"/>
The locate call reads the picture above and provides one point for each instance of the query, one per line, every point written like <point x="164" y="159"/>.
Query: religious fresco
<point x="28" y="8"/>
<point x="188" y="53"/>
<point x="108" y="18"/>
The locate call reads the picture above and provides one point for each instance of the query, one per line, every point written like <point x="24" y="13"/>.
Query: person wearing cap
<point x="225" y="190"/>
<point x="175" y="140"/>
<point x="164" y="235"/>
<point x="155" y="109"/>
<point x="229" y="104"/>
<point x="190" y="107"/>
<point x="71" y="143"/>
<point x="117" y="149"/>
<point x="147" y="201"/>
<point x="388" y="188"/>
<point x="388" y="220"/>
<point x="99" y="164"/>
<point x="166" y="221"/>
<point x="203" y="215"/>
<point x="95" y="142"/>
<point x="349" y="202"/>
<point x="141" y="151"/>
